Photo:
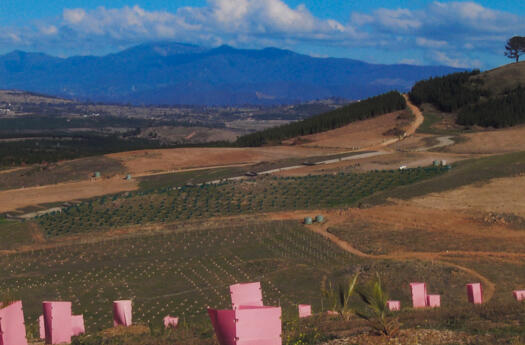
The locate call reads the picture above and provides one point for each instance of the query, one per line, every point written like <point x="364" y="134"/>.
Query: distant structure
<point x="308" y="220"/>
<point x="128" y="177"/>
<point x="96" y="174"/>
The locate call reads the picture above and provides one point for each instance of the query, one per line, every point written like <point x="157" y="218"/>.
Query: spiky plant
<point x="376" y="311"/>
<point x="339" y="298"/>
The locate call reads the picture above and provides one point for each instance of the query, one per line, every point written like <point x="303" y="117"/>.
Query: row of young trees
<point x="504" y="111"/>
<point x="371" y="107"/>
<point x="448" y="93"/>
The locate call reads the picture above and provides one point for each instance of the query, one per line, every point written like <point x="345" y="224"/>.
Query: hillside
<point x="503" y="78"/>
<point x="353" y="112"/>
<point x="400" y="201"/>
<point x="172" y="73"/>
<point x="494" y="98"/>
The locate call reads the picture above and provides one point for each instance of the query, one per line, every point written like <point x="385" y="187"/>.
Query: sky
<point x="468" y="34"/>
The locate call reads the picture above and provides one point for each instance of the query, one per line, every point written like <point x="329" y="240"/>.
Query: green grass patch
<point x="15" y="233"/>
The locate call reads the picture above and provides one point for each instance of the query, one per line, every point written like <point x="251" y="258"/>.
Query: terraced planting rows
<point x="177" y="273"/>
<point x="261" y="195"/>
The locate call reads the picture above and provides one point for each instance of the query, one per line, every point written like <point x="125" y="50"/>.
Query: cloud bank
<point x="451" y="33"/>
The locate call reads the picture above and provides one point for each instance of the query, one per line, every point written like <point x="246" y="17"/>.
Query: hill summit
<point x="176" y="73"/>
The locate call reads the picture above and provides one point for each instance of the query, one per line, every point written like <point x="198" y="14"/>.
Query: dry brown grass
<point x="491" y="142"/>
<point x="11" y="200"/>
<point x="502" y="195"/>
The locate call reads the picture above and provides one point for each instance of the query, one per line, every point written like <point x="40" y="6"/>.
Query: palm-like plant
<point x="340" y="299"/>
<point x="377" y="312"/>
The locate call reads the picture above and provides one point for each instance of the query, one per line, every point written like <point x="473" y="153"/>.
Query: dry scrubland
<point x="175" y="251"/>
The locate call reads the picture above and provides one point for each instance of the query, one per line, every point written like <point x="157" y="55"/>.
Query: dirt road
<point x="333" y="219"/>
<point x="417" y="113"/>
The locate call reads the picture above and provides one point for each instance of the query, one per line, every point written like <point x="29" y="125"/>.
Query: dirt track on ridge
<point x="338" y="217"/>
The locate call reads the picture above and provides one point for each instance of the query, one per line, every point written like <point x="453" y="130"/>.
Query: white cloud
<point x="452" y="28"/>
<point x="455" y="61"/>
<point x="49" y="30"/>
<point x="74" y="16"/>
<point x="428" y="43"/>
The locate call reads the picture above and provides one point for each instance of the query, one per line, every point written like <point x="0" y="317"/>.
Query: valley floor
<point x="446" y="228"/>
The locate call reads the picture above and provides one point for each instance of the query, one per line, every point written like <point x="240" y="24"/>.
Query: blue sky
<point x="456" y="33"/>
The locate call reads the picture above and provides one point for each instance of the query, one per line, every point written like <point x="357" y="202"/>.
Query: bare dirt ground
<point x="152" y="161"/>
<point x="491" y="142"/>
<point x="14" y="199"/>
<point x="355" y="135"/>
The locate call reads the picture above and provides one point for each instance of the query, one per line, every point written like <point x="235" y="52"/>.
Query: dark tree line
<point x="371" y="107"/>
<point x="448" y="93"/>
<point x="507" y="110"/>
<point x="57" y="149"/>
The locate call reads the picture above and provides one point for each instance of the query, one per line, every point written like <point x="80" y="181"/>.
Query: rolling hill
<point x="173" y="73"/>
<point x="494" y="98"/>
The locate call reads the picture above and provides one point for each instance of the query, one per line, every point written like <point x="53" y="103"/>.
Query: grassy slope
<point x="504" y="77"/>
<point x="463" y="173"/>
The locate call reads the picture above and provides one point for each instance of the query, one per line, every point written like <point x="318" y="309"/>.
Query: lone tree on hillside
<point x="515" y="47"/>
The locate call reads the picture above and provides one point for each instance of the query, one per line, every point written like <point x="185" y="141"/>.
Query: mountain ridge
<point x="178" y="73"/>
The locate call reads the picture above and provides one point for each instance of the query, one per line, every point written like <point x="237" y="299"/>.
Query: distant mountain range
<point x="174" y="73"/>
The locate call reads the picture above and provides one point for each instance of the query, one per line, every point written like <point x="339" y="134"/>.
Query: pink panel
<point x="77" y="325"/>
<point x="41" y="327"/>
<point x="122" y="313"/>
<point x="57" y="322"/>
<point x="246" y="294"/>
<point x="519" y="295"/>
<point x="305" y="310"/>
<point x="170" y="321"/>
<point x="419" y="295"/>
<point x="393" y="305"/>
<point x="433" y="301"/>
<point x="223" y="322"/>
<point x="258" y="325"/>
<point x="475" y="293"/>
<point x="12" y="327"/>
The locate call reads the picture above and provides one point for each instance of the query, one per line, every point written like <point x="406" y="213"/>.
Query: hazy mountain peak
<point x="179" y="73"/>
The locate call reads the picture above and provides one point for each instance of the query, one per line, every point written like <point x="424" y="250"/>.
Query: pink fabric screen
<point x="419" y="295"/>
<point x="305" y="310"/>
<point x="475" y="293"/>
<point x="170" y="321"/>
<point x="433" y="301"/>
<point x="41" y="327"/>
<point x="519" y="295"/>
<point x="393" y="305"/>
<point x="247" y="325"/>
<point x="77" y="325"/>
<point x="246" y="294"/>
<point x="12" y="327"/>
<point x="223" y="322"/>
<point x="258" y="325"/>
<point x="122" y="313"/>
<point x="57" y="322"/>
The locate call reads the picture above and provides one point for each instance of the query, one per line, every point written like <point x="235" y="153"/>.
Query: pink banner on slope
<point x="12" y="327"/>
<point x="246" y="294"/>
<point x="419" y="295"/>
<point x="122" y="313"/>
<point x="57" y="322"/>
